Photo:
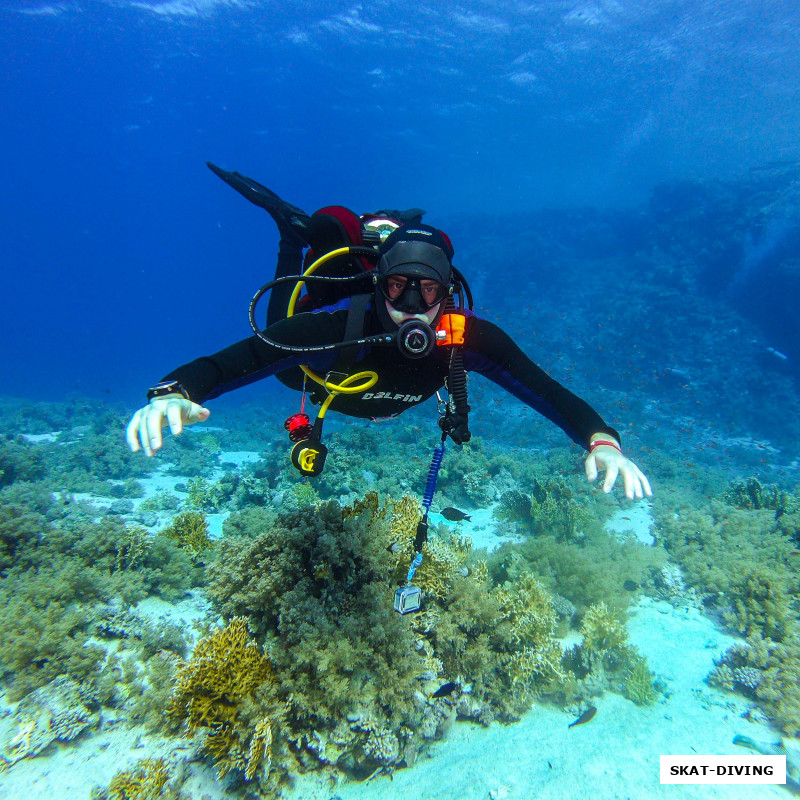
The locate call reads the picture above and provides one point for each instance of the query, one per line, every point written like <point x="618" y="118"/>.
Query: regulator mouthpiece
<point x="415" y="339"/>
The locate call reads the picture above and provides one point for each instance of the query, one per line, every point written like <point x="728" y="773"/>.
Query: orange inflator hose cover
<point x="453" y="326"/>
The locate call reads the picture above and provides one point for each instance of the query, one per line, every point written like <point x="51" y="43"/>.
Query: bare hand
<point x="605" y="457"/>
<point x="144" y="429"/>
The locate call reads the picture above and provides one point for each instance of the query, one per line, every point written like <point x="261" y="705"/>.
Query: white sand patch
<point x="39" y="438"/>
<point x="482" y="528"/>
<point x="636" y="519"/>
<point x="239" y="457"/>
<point x="186" y="612"/>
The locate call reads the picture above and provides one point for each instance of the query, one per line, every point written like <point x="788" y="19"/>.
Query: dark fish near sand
<point x="444" y="690"/>
<point x="454" y="515"/>
<point x="630" y="586"/>
<point x="585" y="717"/>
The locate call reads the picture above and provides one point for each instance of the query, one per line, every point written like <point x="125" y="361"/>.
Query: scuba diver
<point x="385" y="323"/>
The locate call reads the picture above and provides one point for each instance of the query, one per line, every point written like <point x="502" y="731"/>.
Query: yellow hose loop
<point x="333" y="389"/>
<point x="312" y="268"/>
<point x="368" y="378"/>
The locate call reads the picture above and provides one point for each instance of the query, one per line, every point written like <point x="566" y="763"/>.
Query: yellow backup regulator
<point x="308" y="454"/>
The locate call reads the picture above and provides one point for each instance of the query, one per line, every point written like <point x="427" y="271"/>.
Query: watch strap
<point x="165" y="388"/>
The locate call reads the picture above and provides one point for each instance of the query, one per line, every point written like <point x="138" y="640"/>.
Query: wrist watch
<point x="166" y="387"/>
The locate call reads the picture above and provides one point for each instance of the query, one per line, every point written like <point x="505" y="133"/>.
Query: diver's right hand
<point x="144" y="429"/>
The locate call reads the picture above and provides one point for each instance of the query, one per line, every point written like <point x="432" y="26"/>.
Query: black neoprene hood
<point x="417" y="252"/>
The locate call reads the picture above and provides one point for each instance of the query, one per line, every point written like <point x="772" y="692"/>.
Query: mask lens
<point x="402" y="291"/>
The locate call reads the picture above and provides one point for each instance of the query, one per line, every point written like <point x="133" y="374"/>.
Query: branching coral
<point x="146" y="781"/>
<point x="526" y="609"/>
<point x="133" y="547"/>
<point x="190" y="531"/>
<point x="501" y="639"/>
<point x="751" y="493"/>
<point x="601" y="630"/>
<point x="638" y="685"/>
<point x="226" y="669"/>
<point x="444" y="555"/>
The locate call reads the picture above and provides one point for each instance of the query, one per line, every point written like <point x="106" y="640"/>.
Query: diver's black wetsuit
<point x="402" y="382"/>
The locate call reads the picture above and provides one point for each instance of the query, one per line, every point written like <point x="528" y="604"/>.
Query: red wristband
<point x="609" y="442"/>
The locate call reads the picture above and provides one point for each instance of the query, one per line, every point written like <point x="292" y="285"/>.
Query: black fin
<point x="289" y="219"/>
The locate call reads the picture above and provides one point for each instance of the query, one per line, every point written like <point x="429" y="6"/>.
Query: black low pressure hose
<point x="457" y="388"/>
<point x="455" y="422"/>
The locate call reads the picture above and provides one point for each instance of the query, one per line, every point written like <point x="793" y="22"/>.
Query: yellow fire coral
<point x="190" y="531"/>
<point x="146" y="781"/>
<point x="225" y="670"/>
<point x="526" y="609"/>
<point x="601" y="630"/>
<point x="443" y="556"/>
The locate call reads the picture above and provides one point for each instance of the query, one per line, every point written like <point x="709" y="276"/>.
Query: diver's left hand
<point x="605" y="457"/>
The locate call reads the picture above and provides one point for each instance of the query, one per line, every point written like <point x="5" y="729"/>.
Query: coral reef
<point x="190" y="531"/>
<point x="55" y="712"/>
<point x="768" y="671"/>
<point x="502" y="639"/>
<point x="752" y="494"/>
<point x="316" y="589"/>
<point x="148" y="779"/>
<point x="316" y="586"/>
<point x="602" y="631"/>
<point x="605" y="660"/>
<point x="638" y="685"/>
<point x="226" y="668"/>
<point x="56" y="571"/>
<point x="591" y="570"/>
<point x="549" y="506"/>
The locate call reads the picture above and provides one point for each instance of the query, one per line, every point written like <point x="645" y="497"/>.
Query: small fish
<point x="585" y="717"/>
<point x="454" y="515"/>
<point x="630" y="586"/>
<point x="444" y="690"/>
<point x="395" y="547"/>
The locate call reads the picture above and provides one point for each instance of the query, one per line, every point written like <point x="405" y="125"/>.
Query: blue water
<point x="123" y="255"/>
<point x="621" y="182"/>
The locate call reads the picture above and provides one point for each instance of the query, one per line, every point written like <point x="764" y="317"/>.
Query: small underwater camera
<point x="407" y="599"/>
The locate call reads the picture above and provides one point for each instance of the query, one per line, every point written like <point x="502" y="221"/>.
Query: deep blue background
<point x="122" y="255"/>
